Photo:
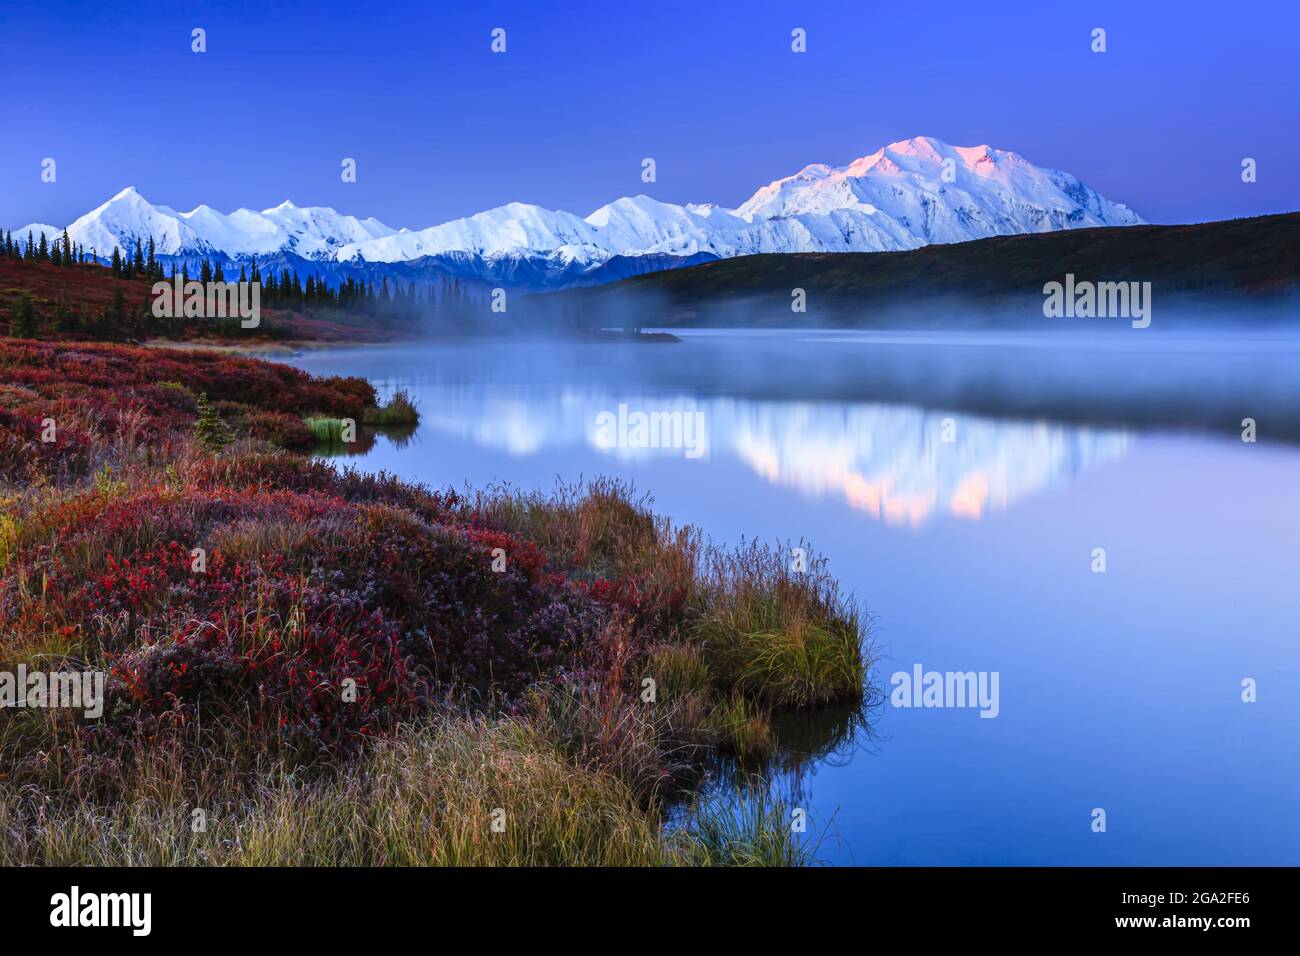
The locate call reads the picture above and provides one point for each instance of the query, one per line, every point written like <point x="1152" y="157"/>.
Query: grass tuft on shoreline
<point x="399" y="410"/>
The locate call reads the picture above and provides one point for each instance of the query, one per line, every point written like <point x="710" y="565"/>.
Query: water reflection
<point x="905" y="465"/>
<point x="900" y="465"/>
<point x="399" y="436"/>
<point x="806" y="741"/>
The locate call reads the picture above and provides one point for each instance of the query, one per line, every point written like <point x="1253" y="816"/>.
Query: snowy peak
<point x="902" y="196"/>
<point x="513" y="229"/>
<point x="312" y="232"/>
<point x="941" y="193"/>
<point x="315" y="230"/>
<point x="123" y="219"/>
<point x="641" y="225"/>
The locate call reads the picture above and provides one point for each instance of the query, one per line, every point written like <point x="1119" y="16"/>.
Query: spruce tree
<point x="115" y="315"/>
<point x="64" y="319"/>
<point x="22" y="322"/>
<point x="210" y="430"/>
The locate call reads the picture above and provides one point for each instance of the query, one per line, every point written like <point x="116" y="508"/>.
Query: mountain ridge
<point x="909" y="194"/>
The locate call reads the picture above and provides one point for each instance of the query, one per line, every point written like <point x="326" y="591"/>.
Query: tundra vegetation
<point x="312" y="665"/>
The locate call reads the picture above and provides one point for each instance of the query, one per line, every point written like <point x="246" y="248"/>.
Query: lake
<point x="960" y="486"/>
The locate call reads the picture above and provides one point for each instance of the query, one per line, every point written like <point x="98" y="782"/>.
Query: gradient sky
<point x="441" y="127"/>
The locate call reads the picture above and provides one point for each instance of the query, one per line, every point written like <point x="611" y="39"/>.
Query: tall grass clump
<point x="746" y="829"/>
<point x="787" y="638"/>
<point x="741" y="728"/>
<point x="465" y="792"/>
<point x="8" y="535"/>
<point x="326" y="431"/>
<point x="601" y="527"/>
<point x="679" y="669"/>
<point x="399" y="410"/>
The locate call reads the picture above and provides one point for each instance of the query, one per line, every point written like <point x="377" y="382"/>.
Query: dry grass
<point x="466" y="791"/>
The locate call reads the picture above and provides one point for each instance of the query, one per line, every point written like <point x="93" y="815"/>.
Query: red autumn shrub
<point x="279" y="428"/>
<point x="25" y="454"/>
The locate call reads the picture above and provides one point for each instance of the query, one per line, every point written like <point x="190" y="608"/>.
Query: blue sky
<point x="441" y="127"/>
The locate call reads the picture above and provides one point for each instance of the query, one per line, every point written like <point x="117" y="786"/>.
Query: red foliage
<point x="328" y="606"/>
<point x="110" y="392"/>
<point x="25" y="455"/>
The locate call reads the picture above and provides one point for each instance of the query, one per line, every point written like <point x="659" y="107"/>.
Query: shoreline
<point x="285" y="633"/>
<point x="299" y="346"/>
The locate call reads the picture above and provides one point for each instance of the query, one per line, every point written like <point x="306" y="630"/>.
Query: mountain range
<point x="906" y="195"/>
<point x="1229" y="272"/>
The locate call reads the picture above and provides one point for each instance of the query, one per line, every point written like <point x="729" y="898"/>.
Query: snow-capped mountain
<point x="906" y="195"/>
<point x="312" y="232"/>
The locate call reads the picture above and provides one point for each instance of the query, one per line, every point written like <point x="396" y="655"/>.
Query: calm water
<point x="1120" y="690"/>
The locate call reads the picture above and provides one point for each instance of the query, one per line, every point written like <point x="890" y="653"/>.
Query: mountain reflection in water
<point x="892" y="463"/>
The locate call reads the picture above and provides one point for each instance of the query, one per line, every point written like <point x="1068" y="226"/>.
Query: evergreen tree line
<point x="447" y="298"/>
<point x="62" y="251"/>
<point x="115" y="321"/>
<point x="287" y="290"/>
